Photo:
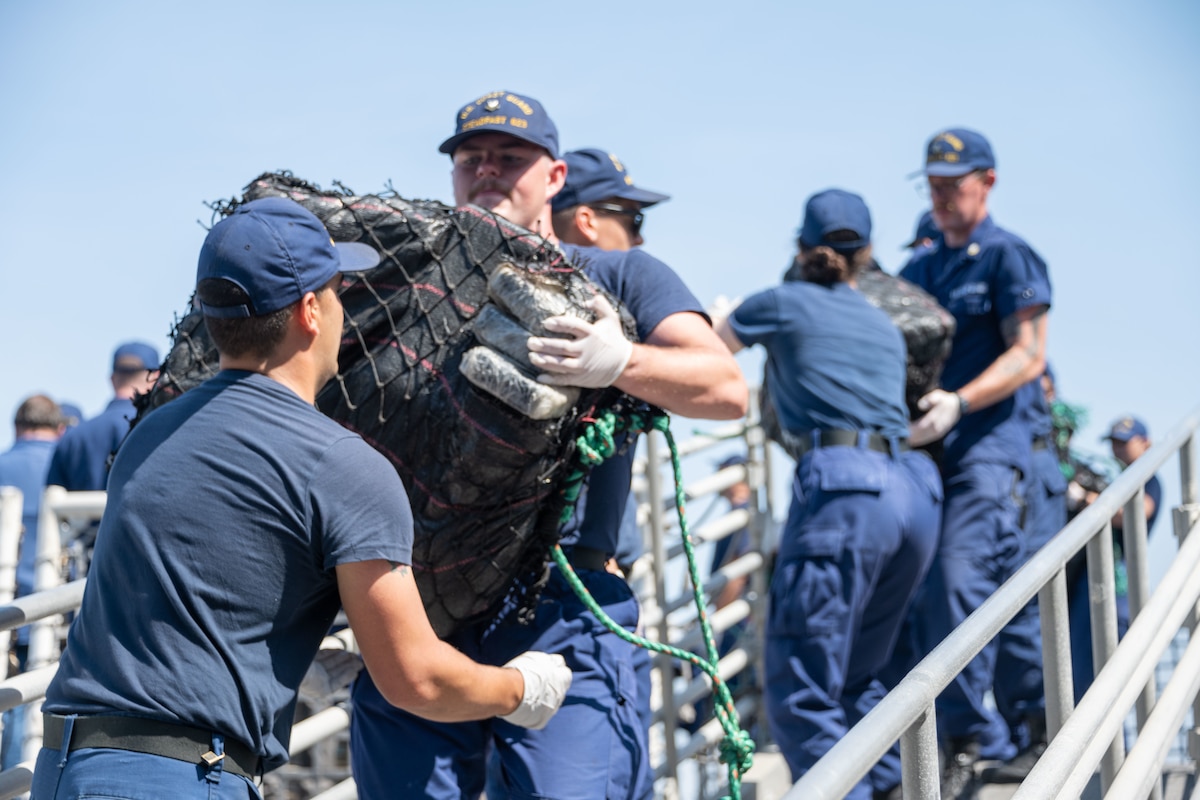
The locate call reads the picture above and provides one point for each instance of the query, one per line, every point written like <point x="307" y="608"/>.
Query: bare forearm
<point x="695" y="382"/>
<point x="449" y="687"/>
<point x="1022" y="362"/>
<point x="1012" y="370"/>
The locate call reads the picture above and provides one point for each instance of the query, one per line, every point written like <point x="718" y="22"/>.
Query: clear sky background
<point x="121" y="119"/>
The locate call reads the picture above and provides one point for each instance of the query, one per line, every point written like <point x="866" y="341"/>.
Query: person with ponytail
<point x="865" y="510"/>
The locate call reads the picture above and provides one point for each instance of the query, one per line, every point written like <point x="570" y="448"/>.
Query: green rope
<point x="595" y="445"/>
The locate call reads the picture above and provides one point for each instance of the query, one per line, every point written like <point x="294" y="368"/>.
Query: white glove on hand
<point x="594" y="356"/>
<point x="942" y="410"/>
<point x="547" y="679"/>
<point x="1076" y="496"/>
<point x="331" y="670"/>
<point x="721" y="308"/>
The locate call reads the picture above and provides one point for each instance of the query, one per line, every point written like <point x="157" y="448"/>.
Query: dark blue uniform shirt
<point x="991" y="278"/>
<point x="833" y="359"/>
<point x="80" y="461"/>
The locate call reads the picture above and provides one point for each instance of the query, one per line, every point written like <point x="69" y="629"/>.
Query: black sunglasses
<point x="635" y="215"/>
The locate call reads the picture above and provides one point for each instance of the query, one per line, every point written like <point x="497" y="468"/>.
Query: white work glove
<point x="1076" y="496"/>
<point x="942" y="410"/>
<point x="594" y="356"/>
<point x="331" y="670"/>
<point x="547" y="679"/>
<point x="721" y="308"/>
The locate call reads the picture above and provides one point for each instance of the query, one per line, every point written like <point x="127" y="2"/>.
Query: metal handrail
<point x="907" y="712"/>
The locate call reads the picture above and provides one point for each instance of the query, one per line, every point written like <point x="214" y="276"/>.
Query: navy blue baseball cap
<point x="134" y="357"/>
<point x="835" y="210"/>
<point x="594" y="175"/>
<point x="71" y="414"/>
<point x="926" y="229"/>
<point x="504" y="112"/>
<point x="1127" y="428"/>
<point x="955" y="152"/>
<point x="275" y="250"/>
<point x="732" y="461"/>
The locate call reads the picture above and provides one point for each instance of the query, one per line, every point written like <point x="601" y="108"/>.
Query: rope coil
<point x="593" y="446"/>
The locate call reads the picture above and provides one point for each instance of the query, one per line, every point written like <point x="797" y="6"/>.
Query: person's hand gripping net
<point x="942" y="410"/>
<point x="591" y="354"/>
<point x="547" y="679"/>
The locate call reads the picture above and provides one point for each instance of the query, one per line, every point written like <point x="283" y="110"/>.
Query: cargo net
<point x="928" y="331"/>
<point x="434" y="374"/>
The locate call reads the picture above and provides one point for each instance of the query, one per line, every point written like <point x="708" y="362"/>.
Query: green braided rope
<point x="596" y="444"/>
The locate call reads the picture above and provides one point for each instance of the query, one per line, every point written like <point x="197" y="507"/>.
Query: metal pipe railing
<point x="897" y="715"/>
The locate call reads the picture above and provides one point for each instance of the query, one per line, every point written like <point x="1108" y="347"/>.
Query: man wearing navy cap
<point x="239" y="520"/>
<point x="998" y="290"/>
<point x="506" y="159"/>
<point x="80" y="462"/>
<point x="599" y="206"/>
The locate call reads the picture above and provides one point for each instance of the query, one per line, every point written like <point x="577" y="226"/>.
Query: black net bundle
<point x="928" y="331"/>
<point x="482" y="478"/>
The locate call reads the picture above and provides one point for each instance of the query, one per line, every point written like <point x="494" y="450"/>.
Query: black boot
<point x="958" y="770"/>
<point x="1018" y="768"/>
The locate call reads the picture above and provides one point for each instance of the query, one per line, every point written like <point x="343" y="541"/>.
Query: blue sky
<point x="121" y="119"/>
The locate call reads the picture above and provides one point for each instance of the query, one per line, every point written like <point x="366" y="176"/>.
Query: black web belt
<point x="798" y="443"/>
<point x="153" y="737"/>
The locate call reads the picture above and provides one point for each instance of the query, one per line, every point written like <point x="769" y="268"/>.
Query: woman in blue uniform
<point x="865" y="509"/>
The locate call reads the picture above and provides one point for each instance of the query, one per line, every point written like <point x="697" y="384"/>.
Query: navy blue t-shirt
<point x="833" y="359"/>
<point x="80" y="461"/>
<point x="995" y="275"/>
<point x="213" y="579"/>
<point x="651" y="291"/>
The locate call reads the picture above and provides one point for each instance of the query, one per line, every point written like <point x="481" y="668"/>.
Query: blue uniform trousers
<point x="124" y="775"/>
<point x="593" y="748"/>
<point x="980" y="548"/>
<point x="859" y="538"/>
<point x="1018" y="688"/>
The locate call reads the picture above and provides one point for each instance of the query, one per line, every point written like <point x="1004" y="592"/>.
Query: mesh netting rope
<point x="593" y="446"/>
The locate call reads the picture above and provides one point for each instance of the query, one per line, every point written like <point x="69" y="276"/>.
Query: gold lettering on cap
<point x="952" y="140"/>
<point x="517" y="122"/>
<point x="616" y="162"/>
<point x="466" y="111"/>
<point x="488" y="96"/>
<point x="520" y="103"/>
<point x="628" y="180"/>
<point x="479" y="121"/>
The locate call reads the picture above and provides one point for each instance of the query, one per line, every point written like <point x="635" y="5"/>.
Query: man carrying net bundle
<point x="506" y="158"/>
<point x="239" y="518"/>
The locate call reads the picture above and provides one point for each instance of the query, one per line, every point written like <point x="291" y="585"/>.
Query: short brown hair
<point x="241" y="336"/>
<point x="38" y="412"/>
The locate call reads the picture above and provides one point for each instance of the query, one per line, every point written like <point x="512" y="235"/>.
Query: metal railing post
<point x="920" y="774"/>
<point x="662" y="663"/>
<point x="1102" y="599"/>
<point x="12" y="505"/>
<point x="1056" y="651"/>
<point x="1184" y="518"/>
<point x="1133" y="530"/>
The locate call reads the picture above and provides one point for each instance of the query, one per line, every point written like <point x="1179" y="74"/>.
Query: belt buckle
<point x="212" y="759"/>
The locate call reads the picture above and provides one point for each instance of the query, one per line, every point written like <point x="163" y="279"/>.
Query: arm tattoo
<point x="400" y="568"/>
